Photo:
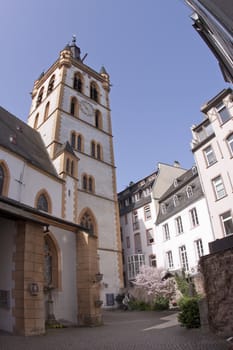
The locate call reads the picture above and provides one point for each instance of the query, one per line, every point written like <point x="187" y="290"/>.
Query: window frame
<point x="179" y="225"/>
<point x="169" y="259"/>
<point x="210" y="156"/>
<point x="225" y="220"/>
<point x="194" y="217"/>
<point x="199" y="248"/>
<point x="230" y="143"/>
<point x="184" y="258"/>
<point x="166" y="232"/>
<point x="223" y="112"/>
<point x="215" y="185"/>
<point x="150" y="236"/>
<point x="147" y="212"/>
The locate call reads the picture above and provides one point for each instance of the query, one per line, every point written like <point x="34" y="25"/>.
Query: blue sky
<point x="160" y="69"/>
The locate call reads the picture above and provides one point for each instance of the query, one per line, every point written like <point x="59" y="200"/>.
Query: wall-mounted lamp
<point x="34" y="289"/>
<point x="46" y="229"/>
<point x="98" y="277"/>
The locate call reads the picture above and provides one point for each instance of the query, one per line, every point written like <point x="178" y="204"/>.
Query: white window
<point x="218" y="187"/>
<point x="199" y="248"/>
<point x="194" y="217"/>
<point x="149" y="236"/>
<point x="210" y="155"/>
<point x="147" y="212"/>
<point x="230" y="143"/>
<point x="184" y="258"/>
<point x="152" y="260"/>
<point x="169" y="259"/>
<point x="134" y="262"/>
<point x="227" y="222"/>
<point x="166" y="233"/>
<point x="179" y="225"/>
<point x="223" y="112"/>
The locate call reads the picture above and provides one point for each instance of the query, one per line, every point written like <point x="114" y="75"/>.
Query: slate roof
<point x="20" y="138"/>
<point x="189" y="178"/>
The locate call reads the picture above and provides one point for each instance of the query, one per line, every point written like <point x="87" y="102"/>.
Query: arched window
<point x="72" y="168"/>
<point x="87" y="222"/>
<point x="78" y="83"/>
<point x="74" y="107"/>
<point x="51" y="262"/>
<point x="42" y="203"/>
<point x="94" y="94"/>
<point x="40" y="96"/>
<point x="79" y="143"/>
<point x="98" y="119"/>
<point x="84" y="182"/>
<point x="36" y="121"/>
<point x="230" y="143"/>
<point x="51" y="84"/>
<point x="93" y="149"/>
<point x="189" y="191"/>
<point x="46" y="111"/>
<point x="98" y="151"/>
<point x="90" y="184"/>
<point x="2" y="176"/>
<point x="175" y="200"/>
<point x="73" y="140"/>
<point x="67" y="165"/>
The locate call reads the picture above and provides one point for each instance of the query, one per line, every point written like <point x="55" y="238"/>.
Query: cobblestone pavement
<point x="130" y="330"/>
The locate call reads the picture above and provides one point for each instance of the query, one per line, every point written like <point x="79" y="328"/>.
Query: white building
<point x="58" y="202"/>
<point x="183" y="225"/>
<point x="212" y="146"/>
<point x="138" y="205"/>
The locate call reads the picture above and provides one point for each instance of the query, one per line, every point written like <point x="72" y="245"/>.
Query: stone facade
<point x="218" y="284"/>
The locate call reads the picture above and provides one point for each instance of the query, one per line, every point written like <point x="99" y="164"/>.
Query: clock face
<point x="86" y="108"/>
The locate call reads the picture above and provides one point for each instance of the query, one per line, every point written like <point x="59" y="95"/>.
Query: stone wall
<point x="218" y="284"/>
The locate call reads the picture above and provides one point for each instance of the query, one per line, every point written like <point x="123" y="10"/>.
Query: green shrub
<point x="189" y="315"/>
<point x="182" y="284"/>
<point x="161" y="303"/>
<point x="139" y="305"/>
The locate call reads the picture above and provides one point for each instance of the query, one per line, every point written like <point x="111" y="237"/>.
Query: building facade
<point x="183" y="225"/>
<point x="213" y="22"/>
<point x="60" y="232"/>
<point x="212" y="147"/>
<point x="138" y="205"/>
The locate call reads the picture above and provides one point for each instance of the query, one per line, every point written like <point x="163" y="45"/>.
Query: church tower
<point x="70" y="109"/>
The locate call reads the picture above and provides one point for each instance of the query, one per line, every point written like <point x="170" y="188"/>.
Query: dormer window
<point x="175" y="200"/>
<point x="189" y="191"/>
<point x="194" y="170"/>
<point x="163" y="208"/>
<point x="175" y="182"/>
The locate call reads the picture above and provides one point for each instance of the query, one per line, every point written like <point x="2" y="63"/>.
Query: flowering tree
<point x="150" y="284"/>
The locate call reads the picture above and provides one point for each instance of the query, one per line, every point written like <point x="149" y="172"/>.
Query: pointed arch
<point x="40" y="96"/>
<point x="36" y="121"/>
<point x="94" y="91"/>
<point x="4" y="178"/>
<point x="84" y="182"/>
<point x="98" y="119"/>
<point x="52" y="261"/>
<point x="78" y="82"/>
<point x="46" y="111"/>
<point x="43" y="201"/>
<point x="51" y="84"/>
<point x="88" y="220"/>
<point x="74" y="106"/>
